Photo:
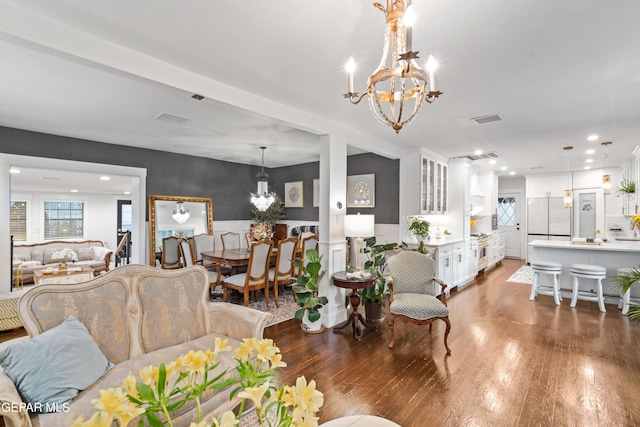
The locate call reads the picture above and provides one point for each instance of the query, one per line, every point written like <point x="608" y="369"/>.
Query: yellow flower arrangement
<point x="166" y="388"/>
<point x="635" y="222"/>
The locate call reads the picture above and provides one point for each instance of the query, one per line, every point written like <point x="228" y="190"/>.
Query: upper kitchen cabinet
<point x="548" y="185"/>
<point x="423" y="183"/>
<point x="488" y="180"/>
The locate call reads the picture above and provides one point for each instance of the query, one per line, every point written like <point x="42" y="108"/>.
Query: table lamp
<point x="359" y="226"/>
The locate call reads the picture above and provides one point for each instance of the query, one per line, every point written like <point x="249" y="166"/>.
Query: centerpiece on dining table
<point x="261" y="231"/>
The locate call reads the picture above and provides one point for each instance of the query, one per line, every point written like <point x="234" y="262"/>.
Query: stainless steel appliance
<point x="547" y="219"/>
<point x="483" y="253"/>
<point x="494" y="221"/>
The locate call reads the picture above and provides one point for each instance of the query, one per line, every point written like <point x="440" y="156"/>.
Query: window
<point x="18" y="220"/>
<point x="63" y="220"/>
<point x="507" y="211"/>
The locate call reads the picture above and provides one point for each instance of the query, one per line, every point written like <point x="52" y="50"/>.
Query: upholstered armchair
<point x="413" y="292"/>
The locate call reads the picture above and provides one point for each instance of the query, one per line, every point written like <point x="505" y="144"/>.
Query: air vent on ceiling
<point x="170" y="118"/>
<point x="536" y="167"/>
<point x="50" y="178"/>
<point x="487" y="119"/>
<point x="481" y="156"/>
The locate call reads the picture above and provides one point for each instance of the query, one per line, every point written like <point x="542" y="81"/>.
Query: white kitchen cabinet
<point x="434" y="186"/>
<point x="496" y="248"/>
<point x="471" y="259"/>
<point x="457" y="260"/>
<point x="445" y="266"/>
<point x="548" y="185"/>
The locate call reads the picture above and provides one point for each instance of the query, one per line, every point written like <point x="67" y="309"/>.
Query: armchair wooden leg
<point x="393" y="334"/>
<point x="446" y="334"/>
<point x="246" y="298"/>
<point x="224" y="293"/>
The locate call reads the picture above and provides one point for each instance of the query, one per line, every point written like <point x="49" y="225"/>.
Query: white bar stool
<point x="625" y="298"/>
<point x="546" y="267"/>
<point x="588" y="271"/>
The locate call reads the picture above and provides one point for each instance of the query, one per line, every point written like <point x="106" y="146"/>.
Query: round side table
<point x="341" y="280"/>
<point x="360" y="421"/>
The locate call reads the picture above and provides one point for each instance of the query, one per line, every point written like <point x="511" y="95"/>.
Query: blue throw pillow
<point x="52" y="368"/>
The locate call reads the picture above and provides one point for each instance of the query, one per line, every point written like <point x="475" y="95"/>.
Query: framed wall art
<point x="294" y="194"/>
<point x="361" y="191"/>
<point x="316" y="193"/>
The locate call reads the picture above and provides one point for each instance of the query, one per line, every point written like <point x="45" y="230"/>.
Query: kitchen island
<point x="611" y="255"/>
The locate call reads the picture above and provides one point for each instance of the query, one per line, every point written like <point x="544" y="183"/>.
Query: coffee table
<point x="73" y="274"/>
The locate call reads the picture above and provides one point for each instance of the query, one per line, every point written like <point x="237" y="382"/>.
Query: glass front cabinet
<point x="433" y="187"/>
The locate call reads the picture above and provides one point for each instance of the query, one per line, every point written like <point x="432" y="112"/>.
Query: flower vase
<point x="62" y="266"/>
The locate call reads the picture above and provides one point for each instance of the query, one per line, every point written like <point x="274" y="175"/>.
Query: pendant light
<point x="262" y="199"/>
<point x="568" y="199"/>
<point x="606" y="178"/>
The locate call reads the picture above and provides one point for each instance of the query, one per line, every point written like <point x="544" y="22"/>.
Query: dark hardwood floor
<point x="513" y="362"/>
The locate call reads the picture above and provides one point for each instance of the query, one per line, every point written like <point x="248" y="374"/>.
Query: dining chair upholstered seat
<point x="283" y="271"/>
<point x="170" y="253"/>
<point x="230" y="240"/>
<point x="257" y="275"/>
<point x="204" y="243"/>
<point x="188" y="257"/>
<point x="412" y="283"/>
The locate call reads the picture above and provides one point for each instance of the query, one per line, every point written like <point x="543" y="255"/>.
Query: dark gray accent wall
<point x="227" y="183"/>
<point x="387" y="180"/>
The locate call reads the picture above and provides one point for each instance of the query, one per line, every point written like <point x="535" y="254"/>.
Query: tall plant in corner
<point x="271" y="215"/>
<point x="307" y="284"/>
<point x="377" y="264"/>
<point x="626" y="282"/>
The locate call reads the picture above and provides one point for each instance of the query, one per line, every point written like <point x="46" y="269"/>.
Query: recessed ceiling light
<point x="512" y="173"/>
<point x="503" y="168"/>
<point x="492" y="162"/>
<point x="127" y="192"/>
<point x="590" y="151"/>
<point x="14" y="170"/>
<point x="477" y="152"/>
<point x="587" y="168"/>
<point x="74" y="191"/>
<point x="592" y="137"/>
<point x="589" y="161"/>
<point x="105" y="178"/>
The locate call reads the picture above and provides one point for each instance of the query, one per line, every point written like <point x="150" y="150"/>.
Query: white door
<point x="509" y="208"/>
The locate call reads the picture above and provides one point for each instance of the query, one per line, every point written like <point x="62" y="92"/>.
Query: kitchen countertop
<point x="619" y="246"/>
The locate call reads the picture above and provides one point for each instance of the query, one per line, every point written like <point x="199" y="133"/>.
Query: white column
<point x="5" y="233"/>
<point x="333" y="206"/>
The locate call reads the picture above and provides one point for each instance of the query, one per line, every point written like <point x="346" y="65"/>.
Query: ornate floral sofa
<point x="138" y="316"/>
<point x="38" y="256"/>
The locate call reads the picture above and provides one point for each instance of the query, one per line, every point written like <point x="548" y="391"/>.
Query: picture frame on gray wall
<point x="294" y="194"/>
<point x="361" y="191"/>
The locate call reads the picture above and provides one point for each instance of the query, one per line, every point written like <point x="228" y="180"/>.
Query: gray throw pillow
<point x="85" y="254"/>
<point x="52" y="368"/>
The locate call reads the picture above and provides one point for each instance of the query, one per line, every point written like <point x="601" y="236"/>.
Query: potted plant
<point x="373" y="298"/>
<point x="306" y="289"/>
<point x="271" y="215"/>
<point x="627" y="190"/>
<point x="419" y="227"/>
<point x="626" y="282"/>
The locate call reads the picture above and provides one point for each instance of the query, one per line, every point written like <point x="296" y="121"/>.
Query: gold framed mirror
<point x="177" y="216"/>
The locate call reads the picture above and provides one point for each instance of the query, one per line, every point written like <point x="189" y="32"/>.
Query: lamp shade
<point x="359" y="225"/>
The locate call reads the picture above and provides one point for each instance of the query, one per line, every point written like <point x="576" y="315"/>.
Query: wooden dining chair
<point x="257" y="275"/>
<point x="189" y="259"/>
<point x="170" y="253"/>
<point x="230" y="240"/>
<point x="309" y="242"/>
<point x="283" y="271"/>
<point x="204" y="243"/>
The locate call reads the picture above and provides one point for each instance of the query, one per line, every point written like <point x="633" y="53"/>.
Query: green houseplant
<point x="627" y="186"/>
<point x="306" y="289"/>
<point x="376" y="263"/>
<point x="626" y="282"/>
<point x="271" y="215"/>
<point x="419" y="227"/>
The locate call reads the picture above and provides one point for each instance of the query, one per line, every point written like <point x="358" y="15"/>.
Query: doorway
<point x="509" y="222"/>
<point x="125" y="226"/>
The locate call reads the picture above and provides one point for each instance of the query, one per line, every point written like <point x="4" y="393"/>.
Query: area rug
<point x="287" y="308"/>
<point x="524" y="275"/>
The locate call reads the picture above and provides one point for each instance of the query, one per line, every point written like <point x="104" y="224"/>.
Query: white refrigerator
<point x="547" y="219"/>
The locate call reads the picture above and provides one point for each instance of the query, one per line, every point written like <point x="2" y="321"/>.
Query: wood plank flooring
<point x="514" y="362"/>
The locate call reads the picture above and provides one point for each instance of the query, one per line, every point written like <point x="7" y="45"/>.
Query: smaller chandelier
<point x="606" y="178"/>
<point x="397" y="88"/>
<point x="262" y="199"/>
<point x="568" y="200"/>
<point x="180" y="215"/>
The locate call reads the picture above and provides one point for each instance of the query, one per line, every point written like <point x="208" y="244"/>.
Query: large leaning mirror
<point x="177" y="216"/>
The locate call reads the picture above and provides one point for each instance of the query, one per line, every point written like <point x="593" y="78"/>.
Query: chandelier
<point x="568" y="200"/>
<point x="180" y="215"/>
<point x="606" y="178"/>
<point x="398" y="86"/>
<point x="262" y="199"/>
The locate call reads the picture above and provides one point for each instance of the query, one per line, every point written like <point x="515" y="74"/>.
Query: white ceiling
<point x="273" y="75"/>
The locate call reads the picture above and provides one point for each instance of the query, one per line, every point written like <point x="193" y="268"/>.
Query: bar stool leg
<point x="574" y="297"/>
<point x="556" y="291"/>
<point x="534" y="286"/>
<point x="601" y="297"/>
<point x="626" y="300"/>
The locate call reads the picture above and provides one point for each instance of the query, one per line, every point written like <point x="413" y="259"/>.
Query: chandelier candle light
<point x="606" y="178"/>
<point x="262" y="199"/>
<point x="398" y="86"/>
<point x="568" y="200"/>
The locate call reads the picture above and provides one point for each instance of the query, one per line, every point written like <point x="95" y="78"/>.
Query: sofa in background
<point x="38" y="256"/>
<point x="138" y="316"/>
